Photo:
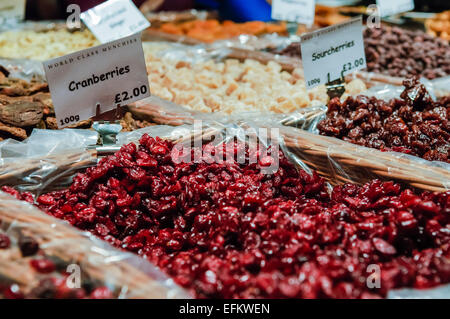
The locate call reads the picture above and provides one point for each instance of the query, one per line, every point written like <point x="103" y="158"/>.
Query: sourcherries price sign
<point x="300" y="11"/>
<point x="107" y="76"/>
<point x="333" y="52"/>
<point x="114" y="19"/>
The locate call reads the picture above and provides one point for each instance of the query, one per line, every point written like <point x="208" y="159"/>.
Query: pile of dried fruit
<point x="228" y="230"/>
<point x="45" y="276"/>
<point x="398" y="52"/>
<point x="414" y="124"/>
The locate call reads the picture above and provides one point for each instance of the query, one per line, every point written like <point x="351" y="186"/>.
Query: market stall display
<point x="156" y="19"/>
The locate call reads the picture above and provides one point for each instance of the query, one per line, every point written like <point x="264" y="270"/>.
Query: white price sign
<point x="114" y="19"/>
<point x="300" y="11"/>
<point x="12" y="9"/>
<point x="332" y="52"/>
<point x="107" y="76"/>
<point x="391" y="7"/>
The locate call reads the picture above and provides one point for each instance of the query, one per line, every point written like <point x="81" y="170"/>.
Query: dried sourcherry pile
<point x="227" y="230"/>
<point x="413" y="124"/>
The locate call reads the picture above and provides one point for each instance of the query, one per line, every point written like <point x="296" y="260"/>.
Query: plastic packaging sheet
<point x="124" y="274"/>
<point x="335" y="160"/>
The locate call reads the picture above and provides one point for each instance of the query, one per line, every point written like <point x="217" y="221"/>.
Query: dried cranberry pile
<point x="399" y="52"/>
<point x="414" y="124"/>
<point x="50" y="272"/>
<point x="226" y="230"/>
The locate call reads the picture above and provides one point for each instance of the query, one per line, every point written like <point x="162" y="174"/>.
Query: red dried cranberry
<point x="43" y="266"/>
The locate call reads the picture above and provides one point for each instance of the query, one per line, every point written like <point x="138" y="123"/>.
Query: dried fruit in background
<point x="27" y="105"/>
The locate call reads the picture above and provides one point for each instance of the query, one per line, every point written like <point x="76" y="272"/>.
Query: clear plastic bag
<point x="338" y="162"/>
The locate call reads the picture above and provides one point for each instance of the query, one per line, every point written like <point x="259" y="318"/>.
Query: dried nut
<point x="14" y="131"/>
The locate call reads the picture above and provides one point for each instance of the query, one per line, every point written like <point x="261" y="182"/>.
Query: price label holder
<point x="114" y="19"/>
<point x="90" y="82"/>
<point x="12" y="10"/>
<point x="107" y="137"/>
<point x="299" y="11"/>
<point x="392" y="7"/>
<point x="331" y="53"/>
